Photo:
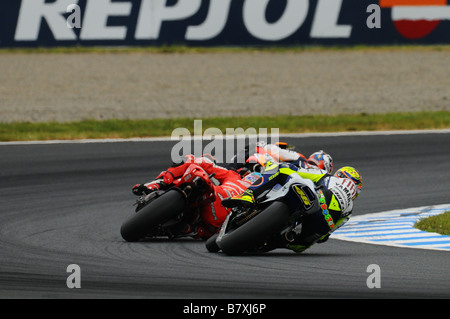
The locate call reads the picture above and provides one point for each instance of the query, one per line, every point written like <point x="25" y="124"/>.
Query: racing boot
<point x="292" y="240"/>
<point x="299" y="243"/>
<point x="244" y="199"/>
<point x="189" y="230"/>
<point x="145" y="189"/>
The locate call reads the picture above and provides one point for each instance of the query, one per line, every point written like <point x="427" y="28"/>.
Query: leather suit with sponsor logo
<point x="336" y="205"/>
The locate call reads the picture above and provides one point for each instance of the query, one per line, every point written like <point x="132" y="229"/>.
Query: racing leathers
<point x="279" y="152"/>
<point x="212" y="213"/>
<point x="335" y="197"/>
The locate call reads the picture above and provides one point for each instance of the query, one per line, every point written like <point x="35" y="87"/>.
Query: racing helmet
<point x="345" y="192"/>
<point x="352" y="174"/>
<point x="322" y="160"/>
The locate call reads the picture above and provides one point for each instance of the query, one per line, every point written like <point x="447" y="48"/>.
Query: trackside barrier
<point x="33" y="23"/>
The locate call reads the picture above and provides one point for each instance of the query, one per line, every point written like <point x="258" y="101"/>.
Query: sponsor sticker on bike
<point x="307" y="202"/>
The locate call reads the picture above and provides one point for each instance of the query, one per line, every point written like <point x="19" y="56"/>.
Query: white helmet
<point x="322" y="160"/>
<point x="344" y="189"/>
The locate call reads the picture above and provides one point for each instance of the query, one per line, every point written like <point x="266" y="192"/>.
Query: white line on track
<point x="205" y="137"/>
<point x="395" y="228"/>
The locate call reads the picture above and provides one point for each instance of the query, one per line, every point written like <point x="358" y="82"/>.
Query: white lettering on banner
<point x="325" y="21"/>
<point x="96" y="17"/>
<point x="214" y="23"/>
<point x="34" y="12"/>
<point x="254" y="15"/>
<point x="153" y="12"/>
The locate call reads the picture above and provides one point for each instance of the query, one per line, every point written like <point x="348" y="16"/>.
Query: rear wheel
<point x="256" y="230"/>
<point x="163" y="208"/>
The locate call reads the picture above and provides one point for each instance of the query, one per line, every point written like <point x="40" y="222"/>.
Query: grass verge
<point x="90" y="129"/>
<point x="436" y="224"/>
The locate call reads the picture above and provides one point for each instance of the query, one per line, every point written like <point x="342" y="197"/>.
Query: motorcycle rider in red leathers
<point x="212" y="213"/>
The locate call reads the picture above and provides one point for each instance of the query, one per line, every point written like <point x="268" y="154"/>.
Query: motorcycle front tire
<point x="256" y="230"/>
<point x="211" y="244"/>
<point x="163" y="208"/>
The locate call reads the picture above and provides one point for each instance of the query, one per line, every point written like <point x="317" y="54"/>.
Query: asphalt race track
<point x="63" y="204"/>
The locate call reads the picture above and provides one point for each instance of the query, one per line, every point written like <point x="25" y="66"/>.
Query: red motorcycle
<point x="166" y="213"/>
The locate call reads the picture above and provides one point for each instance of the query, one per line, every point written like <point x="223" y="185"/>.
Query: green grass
<point x="436" y="224"/>
<point x="22" y="131"/>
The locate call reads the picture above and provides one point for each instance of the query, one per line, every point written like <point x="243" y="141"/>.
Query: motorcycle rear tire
<point x="256" y="230"/>
<point x="163" y="208"/>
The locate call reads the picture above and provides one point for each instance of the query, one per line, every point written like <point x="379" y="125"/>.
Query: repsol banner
<point x="222" y="22"/>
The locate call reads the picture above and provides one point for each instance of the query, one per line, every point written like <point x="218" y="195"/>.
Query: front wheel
<point x="256" y="230"/>
<point x="167" y="206"/>
<point x="211" y="244"/>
